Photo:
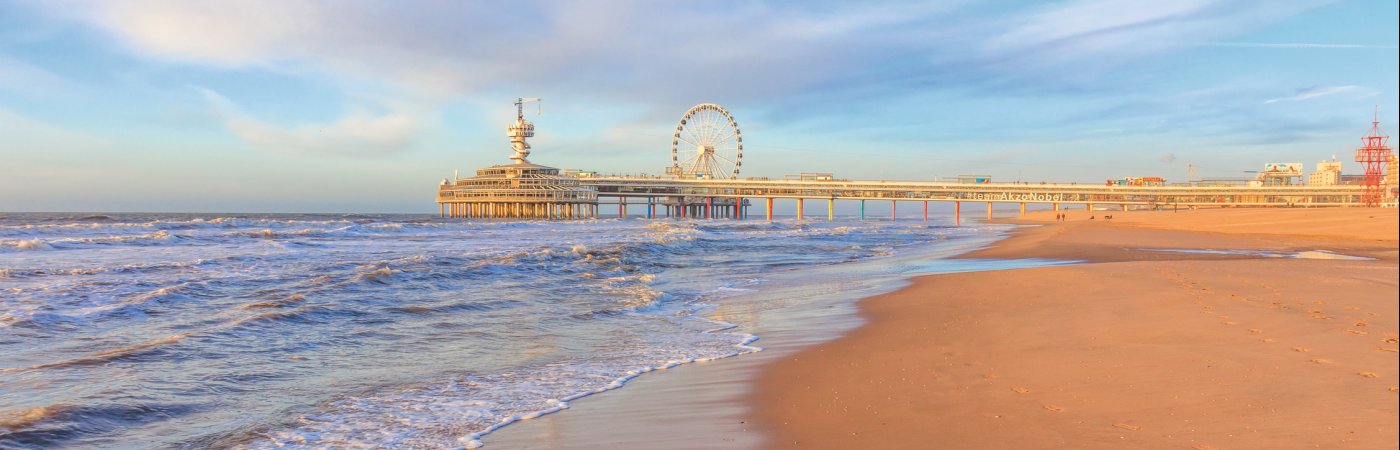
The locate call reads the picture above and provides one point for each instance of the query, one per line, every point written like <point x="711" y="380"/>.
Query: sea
<point x="372" y="331"/>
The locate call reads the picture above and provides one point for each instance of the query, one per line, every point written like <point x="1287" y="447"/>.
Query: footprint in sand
<point x="1360" y="323"/>
<point x="1320" y="361"/>
<point x="1357" y="332"/>
<point x="1266" y="340"/>
<point x="1300" y="349"/>
<point x="1390" y="340"/>
<point x="1021" y="390"/>
<point x="1367" y="374"/>
<point x="1228" y="322"/>
<point x="1255" y="330"/>
<point x="1053" y="408"/>
<point x="1126" y="426"/>
<point x="1203" y="447"/>
<point x="1387" y="349"/>
<point x="1395" y="389"/>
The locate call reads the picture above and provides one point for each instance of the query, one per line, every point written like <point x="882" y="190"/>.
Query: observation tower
<point x="1373" y="155"/>
<point x="521" y="190"/>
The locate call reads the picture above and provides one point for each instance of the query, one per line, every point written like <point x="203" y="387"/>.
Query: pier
<point x="719" y="198"/>
<point x="703" y="183"/>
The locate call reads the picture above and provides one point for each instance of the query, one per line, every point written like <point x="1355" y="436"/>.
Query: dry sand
<point x="1142" y="349"/>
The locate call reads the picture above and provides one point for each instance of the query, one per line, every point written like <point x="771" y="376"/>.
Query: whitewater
<point x="261" y="331"/>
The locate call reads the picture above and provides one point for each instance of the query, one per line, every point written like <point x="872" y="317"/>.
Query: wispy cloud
<point x="1299" y="45"/>
<point x="362" y="132"/>
<point x="1312" y="92"/>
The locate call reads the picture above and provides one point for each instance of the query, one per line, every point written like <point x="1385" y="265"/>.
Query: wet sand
<point x="1084" y="343"/>
<point x="1139" y="349"/>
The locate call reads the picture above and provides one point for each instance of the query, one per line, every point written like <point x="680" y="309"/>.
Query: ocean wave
<point x="116" y="354"/>
<point x="61" y="425"/>
<point x="462" y="411"/>
<point x="78" y="242"/>
<point x="29" y="244"/>
<point x="454" y="307"/>
<point x="379" y="275"/>
<point x="299" y="314"/>
<point x="279" y="303"/>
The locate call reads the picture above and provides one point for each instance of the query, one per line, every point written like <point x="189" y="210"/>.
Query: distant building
<point x="1390" y="181"/>
<point x="1328" y="173"/>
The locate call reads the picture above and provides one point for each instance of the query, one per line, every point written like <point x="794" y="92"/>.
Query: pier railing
<point x="1345" y="195"/>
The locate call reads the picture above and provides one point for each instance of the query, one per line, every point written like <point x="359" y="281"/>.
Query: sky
<point x="364" y="106"/>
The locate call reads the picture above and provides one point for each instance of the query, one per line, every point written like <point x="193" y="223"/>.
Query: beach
<point x="1137" y="348"/>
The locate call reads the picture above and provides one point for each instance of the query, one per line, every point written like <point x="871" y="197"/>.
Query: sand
<point x="1136" y="349"/>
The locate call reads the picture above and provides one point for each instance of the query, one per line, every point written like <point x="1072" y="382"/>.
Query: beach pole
<point x="651" y="208"/>
<point x="989" y="210"/>
<point x="830" y="209"/>
<point x="738" y="208"/>
<point x="957" y="213"/>
<point x="894" y="205"/>
<point x="925" y="210"/>
<point x="862" y="210"/>
<point x="1088" y="206"/>
<point x="709" y="207"/>
<point x="1023" y="208"/>
<point x="680" y="204"/>
<point x="768" y="204"/>
<point x="799" y="210"/>
<point x="1055" y="207"/>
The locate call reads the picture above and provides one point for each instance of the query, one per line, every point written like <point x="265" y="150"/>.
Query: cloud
<point x="362" y="132"/>
<point x="1168" y="157"/>
<point x="1298" y="45"/>
<point x="1313" y="92"/>
<point x="655" y="56"/>
<point x="27" y="79"/>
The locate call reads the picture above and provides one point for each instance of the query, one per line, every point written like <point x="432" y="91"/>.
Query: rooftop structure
<point x="521" y="190"/>
<point x="1328" y="173"/>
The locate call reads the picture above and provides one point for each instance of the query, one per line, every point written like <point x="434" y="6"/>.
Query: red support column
<point x="925" y="210"/>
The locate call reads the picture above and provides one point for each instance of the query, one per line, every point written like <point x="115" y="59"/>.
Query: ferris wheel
<point x="707" y="144"/>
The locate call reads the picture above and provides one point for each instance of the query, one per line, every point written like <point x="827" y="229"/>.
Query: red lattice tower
<point x="1373" y="156"/>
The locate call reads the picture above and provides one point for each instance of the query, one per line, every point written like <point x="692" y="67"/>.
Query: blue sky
<point x="362" y="106"/>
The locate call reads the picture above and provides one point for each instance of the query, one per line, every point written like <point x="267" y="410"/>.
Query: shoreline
<point x="1135" y="348"/>
<point x="710" y="404"/>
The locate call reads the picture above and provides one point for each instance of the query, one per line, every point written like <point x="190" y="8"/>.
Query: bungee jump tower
<point x="520" y="190"/>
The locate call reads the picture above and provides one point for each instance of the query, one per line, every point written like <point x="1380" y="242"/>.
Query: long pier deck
<point x="719" y="198"/>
